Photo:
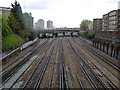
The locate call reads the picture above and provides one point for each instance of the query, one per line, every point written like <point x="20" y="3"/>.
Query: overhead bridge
<point x="58" y="32"/>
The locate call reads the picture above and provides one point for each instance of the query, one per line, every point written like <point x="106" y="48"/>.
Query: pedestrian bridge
<point x="56" y="32"/>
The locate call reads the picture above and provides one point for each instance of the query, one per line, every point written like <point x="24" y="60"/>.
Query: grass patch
<point x="11" y="42"/>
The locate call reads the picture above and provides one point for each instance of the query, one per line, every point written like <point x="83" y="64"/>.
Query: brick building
<point x="97" y="24"/>
<point x="105" y="22"/>
<point x="4" y="12"/>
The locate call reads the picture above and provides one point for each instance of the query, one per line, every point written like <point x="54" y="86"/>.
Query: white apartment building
<point x="49" y="24"/>
<point x="39" y="24"/>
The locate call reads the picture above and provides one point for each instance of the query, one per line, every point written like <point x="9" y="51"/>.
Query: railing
<point x="20" y="48"/>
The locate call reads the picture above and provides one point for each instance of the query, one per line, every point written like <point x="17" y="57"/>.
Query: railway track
<point x="48" y="78"/>
<point x="37" y="84"/>
<point x="69" y="59"/>
<point x="92" y="83"/>
<point x="114" y="69"/>
<point x="109" y="79"/>
<point x="61" y="68"/>
<point x="84" y="61"/>
<point x="35" y="69"/>
<point x="39" y="70"/>
<point x="114" y="64"/>
<point x="9" y="75"/>
<point x="61" y="63"/>
<point x="8" y="67"/>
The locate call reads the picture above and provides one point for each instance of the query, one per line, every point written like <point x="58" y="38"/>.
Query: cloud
<point x="111" y="1"/>
<point x="40" y="4"/>
<point x="67" y="13"/>
<point x="36" y="5"/>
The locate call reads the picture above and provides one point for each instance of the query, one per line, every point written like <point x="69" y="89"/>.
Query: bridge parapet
<point x="55" y="31"/>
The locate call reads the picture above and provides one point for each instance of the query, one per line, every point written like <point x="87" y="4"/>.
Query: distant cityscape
<point x="40" y="24"/>
<point x="109" y="21"/>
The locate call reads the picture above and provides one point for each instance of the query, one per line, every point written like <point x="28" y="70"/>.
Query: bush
<point x="6" y="30"/>
<point x="85" y="33"/>
<point x="11" y="42"/>
<point x="81" y="33"/>
<point x="32" y="35"/>
<point x="88" y="34"/>
<point x="91" y="34"/>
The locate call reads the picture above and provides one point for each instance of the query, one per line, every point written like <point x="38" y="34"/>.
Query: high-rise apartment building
<point x="49" y="24"/>
<point x="39" y="24"/>
<point x="97" y="24"/>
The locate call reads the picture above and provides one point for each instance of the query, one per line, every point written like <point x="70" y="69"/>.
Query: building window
<point x="118" y="26"/>
<point x="114" y="17"/>
<point x="118" y="21"/>
<point x="118" y="17"/>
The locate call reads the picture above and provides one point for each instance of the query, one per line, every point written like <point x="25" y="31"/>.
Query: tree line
<point x="86" y="25"/>
<point x="17" y="28"/>
<point x="18" y="23"/>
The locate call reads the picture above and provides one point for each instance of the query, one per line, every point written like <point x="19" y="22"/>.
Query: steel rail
<point x="82" y="67"/>
<point x="101" y="82"/>
<point x="51" y="76"/>
<point x="103" y="58"/>
<point x="43" y="70"/>
<point x="104" y="53"/>
<point x="91" y="70"/>
<point x="36" y="67"/>
<point x="52" y="70"/>
<point x="17" y="67"/>
<point x="15" y="61"/>
<point x="61" y="69"/>
<point x="100" y="79"/>
<point x="80" y="83"/>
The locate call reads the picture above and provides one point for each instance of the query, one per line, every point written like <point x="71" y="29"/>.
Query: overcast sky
<point x="66" y="13"/>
